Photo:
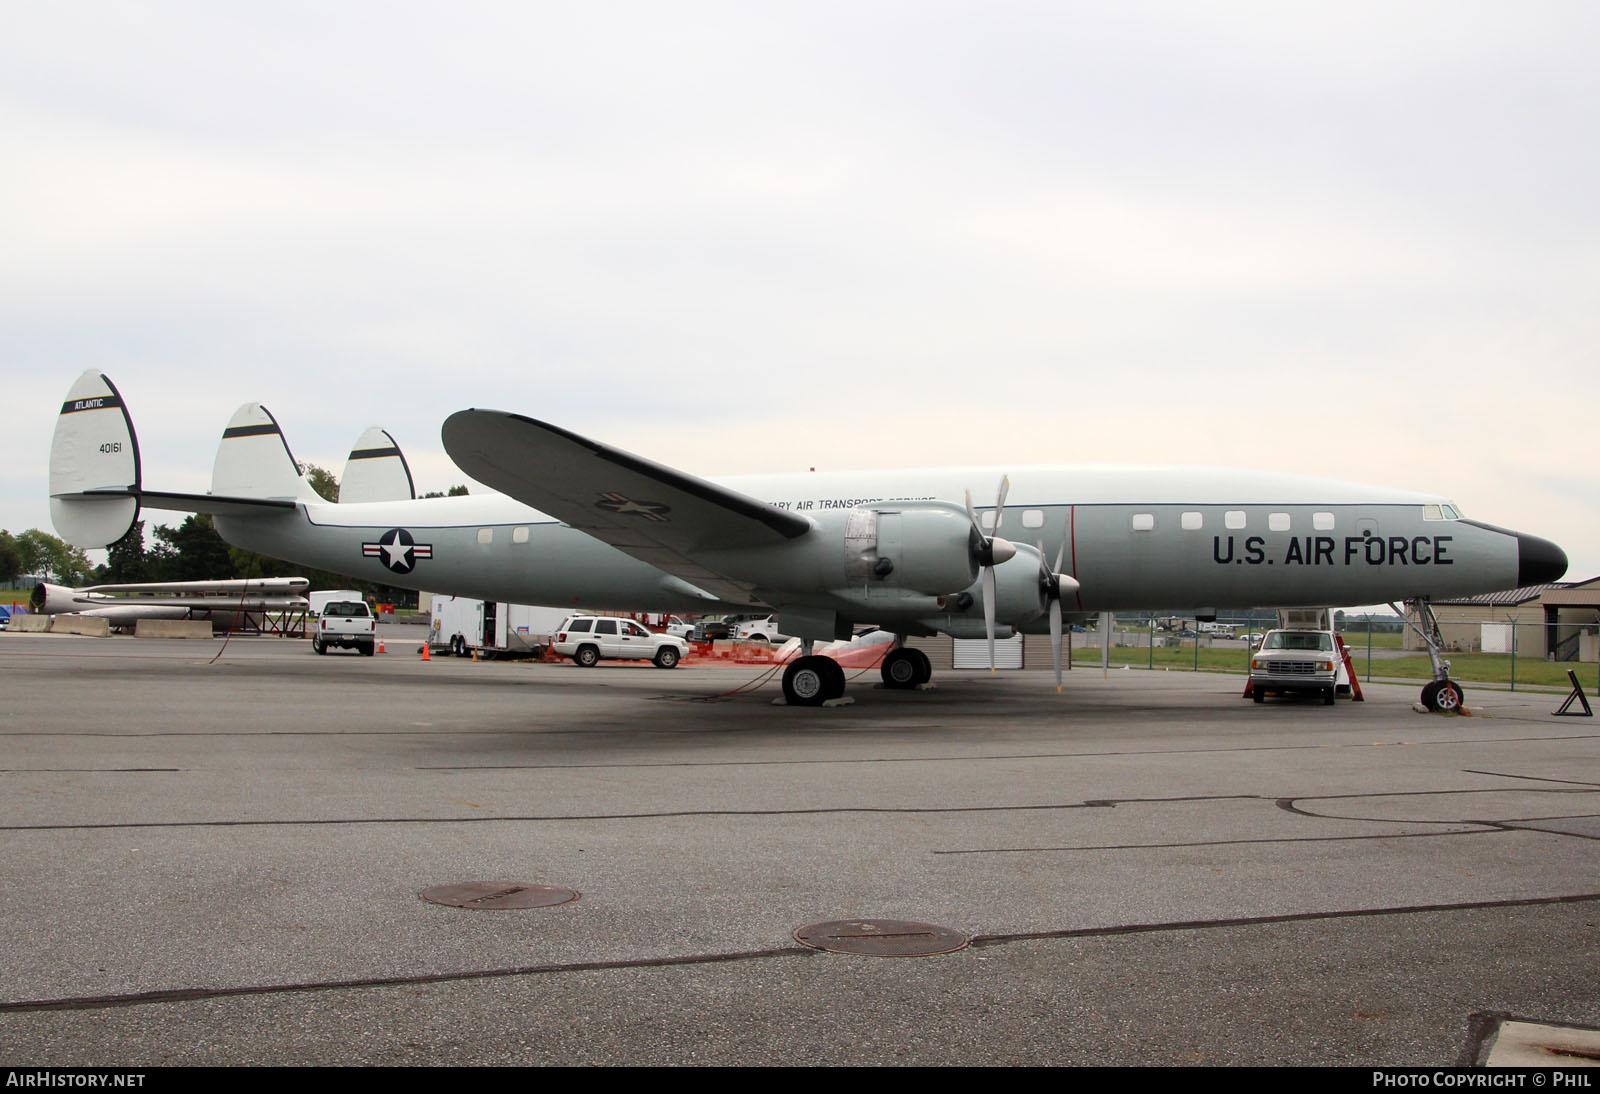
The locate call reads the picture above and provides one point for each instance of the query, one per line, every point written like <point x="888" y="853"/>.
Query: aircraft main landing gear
<point x="905" y="668"/>
<point x="810" y="681"/>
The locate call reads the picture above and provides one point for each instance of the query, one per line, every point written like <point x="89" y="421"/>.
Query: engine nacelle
<point x="927" y="548"/>
<point x="923" y="548"/>
<point x="1019" y="597"/>
<point x="49" y="599"/>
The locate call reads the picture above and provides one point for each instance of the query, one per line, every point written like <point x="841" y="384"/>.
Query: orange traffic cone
<point x="380" y="646"/>
<point x="425" y="655"/>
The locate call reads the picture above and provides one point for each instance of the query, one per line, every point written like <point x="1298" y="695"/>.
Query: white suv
<point x="589" y="639"/>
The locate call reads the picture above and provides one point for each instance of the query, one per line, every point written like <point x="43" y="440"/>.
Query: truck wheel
<point x="667" y="657"/>
<point x="587" y="657"/>
<point x="369" y="649"/>
<point x="1327" y="697"/>
<point x="316" y="644"/>
<point x="1259" y="694"/>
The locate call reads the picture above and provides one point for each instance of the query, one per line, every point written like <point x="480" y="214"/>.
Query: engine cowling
<point x="923" y="548"/>
<point x="47" y="599"/>
<point x="1019" y="598"/>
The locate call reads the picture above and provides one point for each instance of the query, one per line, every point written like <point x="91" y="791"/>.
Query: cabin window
<point x="485" y="535"/>
<point x="986" y="518"/>
<point x="1234" y="518"/>
<point x="1278" y="522"/>
<point x="1192" y="522"/>
<point x="1322" y="522"/>
<point x="519" y="535"/>
<point x="1033" y="518"/>
<point x="1143" y="522"/>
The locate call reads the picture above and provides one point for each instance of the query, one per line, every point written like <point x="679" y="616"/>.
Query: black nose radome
<point x="1538" y="561"/>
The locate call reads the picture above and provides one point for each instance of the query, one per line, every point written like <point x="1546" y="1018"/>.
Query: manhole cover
<point x="881" y="937"/>
<point x="498" y="895"/>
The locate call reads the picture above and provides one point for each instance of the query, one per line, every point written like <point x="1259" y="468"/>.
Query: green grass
<point x="1482" y="668"/>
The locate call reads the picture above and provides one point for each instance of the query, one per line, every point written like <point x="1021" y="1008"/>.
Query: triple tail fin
<point x="94" y="465"/>
<point x="254" y="461"/>
<point x="376" y="471"/>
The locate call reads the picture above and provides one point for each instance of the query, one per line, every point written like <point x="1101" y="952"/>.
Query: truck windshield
<point x="1298" y="640"/>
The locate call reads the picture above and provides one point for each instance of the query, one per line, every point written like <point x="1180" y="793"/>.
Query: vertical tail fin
<point x="94" y="449"/>
<point x="376" y="471"/>
<point x="254" y="461"/>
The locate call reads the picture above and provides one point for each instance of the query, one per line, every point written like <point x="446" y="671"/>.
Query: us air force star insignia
<point x="397" y="550"/>
<point x="616" y="503"/>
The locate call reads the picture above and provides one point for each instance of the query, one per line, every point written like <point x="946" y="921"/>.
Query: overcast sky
<point x="1350" y="239"/>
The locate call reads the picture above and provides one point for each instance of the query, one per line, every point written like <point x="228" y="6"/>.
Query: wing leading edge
<point x="650" y="511"/>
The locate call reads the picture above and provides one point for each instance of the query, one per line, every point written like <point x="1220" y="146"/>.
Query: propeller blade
<point x="988" y="610"/>
<point x="1055" y="638"/>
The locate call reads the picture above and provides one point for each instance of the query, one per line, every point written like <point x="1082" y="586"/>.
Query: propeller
<point x="1055" y="585"/>
<point x="990" y="551"/>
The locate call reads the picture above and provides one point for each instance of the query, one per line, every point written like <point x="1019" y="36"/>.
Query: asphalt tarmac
<point x="219" y="861"/>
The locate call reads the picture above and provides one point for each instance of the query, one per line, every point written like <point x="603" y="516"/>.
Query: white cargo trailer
<point x="496" y="628"/>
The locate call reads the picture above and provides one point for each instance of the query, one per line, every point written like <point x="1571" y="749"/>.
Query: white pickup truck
<point x="1296" y="660"/>
<point x="348" y="624"/>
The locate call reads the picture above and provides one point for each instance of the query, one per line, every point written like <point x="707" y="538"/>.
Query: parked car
<point x="590" y="639"/>
<point x="678" y="628"/>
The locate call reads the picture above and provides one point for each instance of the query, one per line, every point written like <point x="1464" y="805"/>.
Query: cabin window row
<point x="518" y="535"/>
<point x="1233" y="519"/>
<point x="1031" y="518"/>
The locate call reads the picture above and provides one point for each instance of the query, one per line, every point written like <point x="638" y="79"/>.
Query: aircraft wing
<point x="652" y="512"/>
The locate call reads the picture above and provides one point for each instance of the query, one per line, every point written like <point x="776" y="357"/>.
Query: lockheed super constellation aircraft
<point x="580" y="522"/>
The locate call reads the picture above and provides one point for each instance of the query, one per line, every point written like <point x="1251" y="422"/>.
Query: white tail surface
<point x="254" y="461"/>
<point x="376" y="471"/>
<point x="94" y="448"/>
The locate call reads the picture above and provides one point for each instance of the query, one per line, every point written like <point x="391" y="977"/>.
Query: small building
<point x="1559" y="621"/>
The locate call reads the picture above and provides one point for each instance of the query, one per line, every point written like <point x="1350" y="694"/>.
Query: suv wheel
<point x="667" y="657"/>
<point x="587" y="656"/>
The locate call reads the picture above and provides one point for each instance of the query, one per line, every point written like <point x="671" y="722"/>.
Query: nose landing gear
<point x="1442" y="694"/>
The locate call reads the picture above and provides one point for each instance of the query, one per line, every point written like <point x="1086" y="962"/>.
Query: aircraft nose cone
<point x="1538" y="561"/>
